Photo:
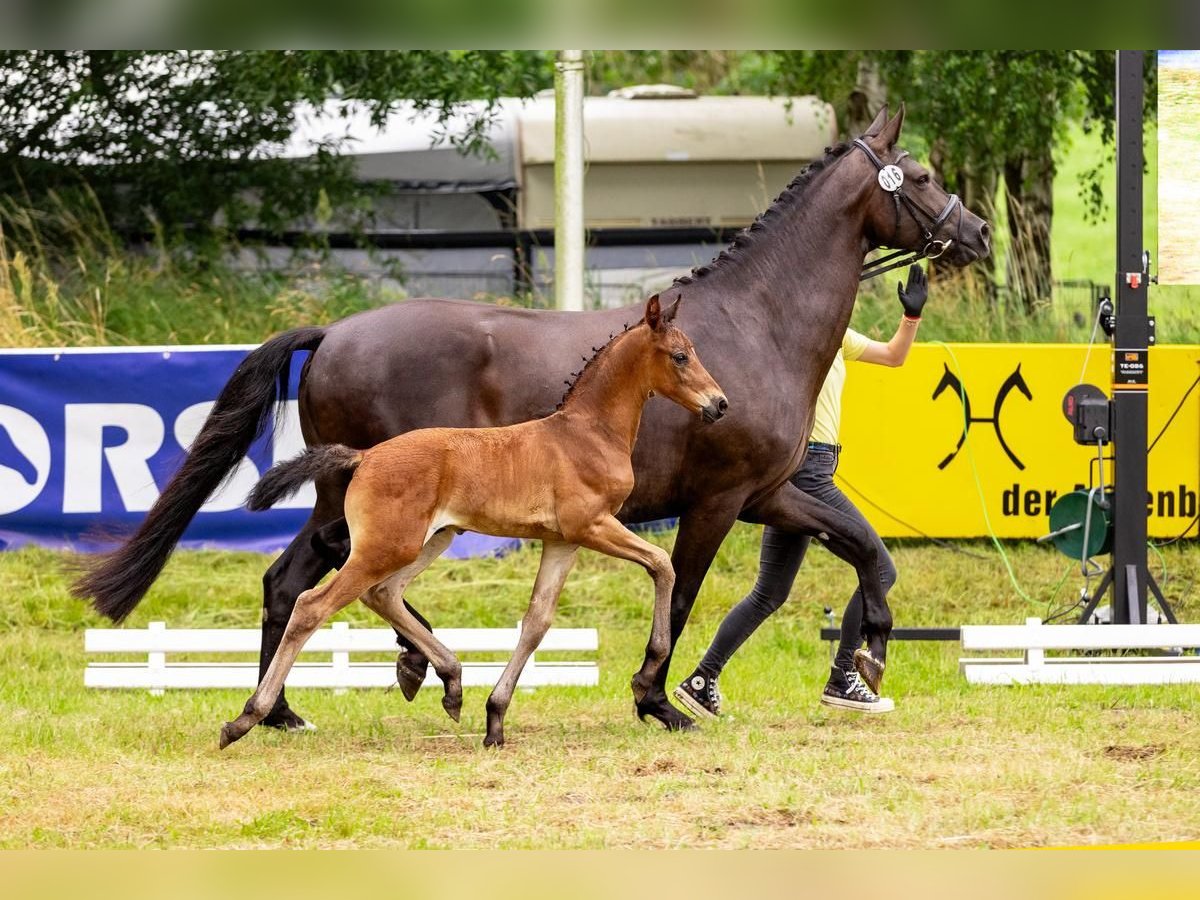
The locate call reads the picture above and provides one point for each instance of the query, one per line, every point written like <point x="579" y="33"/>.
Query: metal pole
<point x="568" y="180"/>
<point x="1131" y="343"/>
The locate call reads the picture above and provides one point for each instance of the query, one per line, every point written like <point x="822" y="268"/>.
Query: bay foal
<point x="559" y="480"/>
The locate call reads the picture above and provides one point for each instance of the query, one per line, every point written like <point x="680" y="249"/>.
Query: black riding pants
<point x="779" y="561"/>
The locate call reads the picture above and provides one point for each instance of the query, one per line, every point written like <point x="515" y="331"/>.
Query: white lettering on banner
<point x="24" y="459"/>
<point x="233" y="490"/>
<point x="288" y="442"/>
<point x="86" y="455"/>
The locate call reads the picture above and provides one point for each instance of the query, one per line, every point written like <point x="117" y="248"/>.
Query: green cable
<point x="975" y="471"/>
<point x="1162" y="559"/>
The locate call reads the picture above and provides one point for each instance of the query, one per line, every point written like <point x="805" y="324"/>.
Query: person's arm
<point x="912" y="298"/>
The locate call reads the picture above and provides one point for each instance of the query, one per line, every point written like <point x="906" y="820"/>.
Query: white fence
<point x="1035" y="667"/>
<point x="156" y="674"/>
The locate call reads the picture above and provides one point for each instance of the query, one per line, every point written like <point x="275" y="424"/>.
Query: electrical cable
<point x="1163" y="561"/>
<point x="941" y="543"/>
<point x="1178" y="537"/>
<point x="1178" y="407"/>
<point x="1091" y="340"/>
<point x="975" y="472"/>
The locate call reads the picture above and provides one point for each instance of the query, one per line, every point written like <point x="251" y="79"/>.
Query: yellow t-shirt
<point x="828" y="418"/>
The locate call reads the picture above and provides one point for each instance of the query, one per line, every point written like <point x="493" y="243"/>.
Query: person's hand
<point x="912" y="295"/>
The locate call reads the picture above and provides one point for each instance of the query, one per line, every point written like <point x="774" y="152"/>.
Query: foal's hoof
<point x="409" y="677"/>
<point x="452" y="706"/>
<point x="494" y="741"/>
<point x="870" y="668"/>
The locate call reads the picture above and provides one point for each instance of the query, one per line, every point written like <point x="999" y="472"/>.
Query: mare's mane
<point x="790" y="196"/>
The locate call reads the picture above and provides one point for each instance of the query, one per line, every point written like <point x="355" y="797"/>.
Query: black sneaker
<point x="846" y="690"/>
<point x="699" y="696"/>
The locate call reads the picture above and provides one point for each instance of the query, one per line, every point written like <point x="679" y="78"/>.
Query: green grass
<point x="954" y="766"/>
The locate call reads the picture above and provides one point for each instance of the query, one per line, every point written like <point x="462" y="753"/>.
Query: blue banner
<point x="89" y="437"/>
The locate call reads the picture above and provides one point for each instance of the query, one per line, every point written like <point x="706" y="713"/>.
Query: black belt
<point x="817" y="445"/>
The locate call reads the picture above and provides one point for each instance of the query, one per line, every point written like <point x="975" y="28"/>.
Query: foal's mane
<point x="789" y="197"/>
<point x="590" y="363"/>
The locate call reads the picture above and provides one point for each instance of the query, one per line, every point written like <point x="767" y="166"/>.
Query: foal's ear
<point x="891" y="131"/>
<point x="876" y="126"/>
<point x="673" y="310"/>
<point x="653" y="313"/>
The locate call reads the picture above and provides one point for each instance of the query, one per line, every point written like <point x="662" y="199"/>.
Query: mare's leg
<point x="332" y="542"/>
<point x="297" y="569"/>
<point x="848" y="538"/>
<point x="312" y="609"/>
<point x="609" y="536"/>
<point x="557" y="560"/>
<point x="387" y="600"/>
<point x="701" y="530"/>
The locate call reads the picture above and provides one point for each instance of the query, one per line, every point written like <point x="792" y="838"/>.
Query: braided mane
<point x="597" y="352"/>
<point x="788" y="198"/>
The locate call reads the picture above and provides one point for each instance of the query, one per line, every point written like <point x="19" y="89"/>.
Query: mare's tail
<point x="118" y="580"/>
<point x="288" y="477"/>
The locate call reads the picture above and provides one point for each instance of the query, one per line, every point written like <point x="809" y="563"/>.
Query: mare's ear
<point x="891" y="131"/>
<point x="673" y="310"/>
<point x="880" y="118"/>
<point x="653" y="313"/>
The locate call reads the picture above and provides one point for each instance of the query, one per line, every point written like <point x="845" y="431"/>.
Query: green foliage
<point x="190" y="139"/>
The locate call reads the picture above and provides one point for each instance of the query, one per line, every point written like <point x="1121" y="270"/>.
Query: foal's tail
<point x="288" y="477"/>
<point x="117" y="581"/>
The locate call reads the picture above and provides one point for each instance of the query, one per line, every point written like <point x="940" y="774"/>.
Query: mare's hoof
<point x="452" y="706"/>
<point x="228" y="735"/>
<point x="493" y="742"/>
<point x="665" y="714"/>
<point x="409" y="677"/>
<point x="286" y="720"/>
<point x="870" y="668"/>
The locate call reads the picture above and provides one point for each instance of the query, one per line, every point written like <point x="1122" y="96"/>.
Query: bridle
<point x="891" y="179"/>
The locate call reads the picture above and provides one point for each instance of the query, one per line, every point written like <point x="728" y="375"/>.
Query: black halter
<point x="933" y="248"/>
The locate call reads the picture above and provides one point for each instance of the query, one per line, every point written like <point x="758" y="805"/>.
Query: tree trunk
<point x="1029" y="185"/>
<point x="866" y="97"/>
<point x="976" y="188"/>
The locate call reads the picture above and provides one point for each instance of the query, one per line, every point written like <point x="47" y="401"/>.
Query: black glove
<point x="912" y="295"/>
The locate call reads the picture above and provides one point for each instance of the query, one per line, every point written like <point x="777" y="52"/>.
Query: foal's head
<point x="674" y="370"/>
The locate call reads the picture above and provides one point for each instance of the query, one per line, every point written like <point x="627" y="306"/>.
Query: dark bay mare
<point x="767" y="316"/>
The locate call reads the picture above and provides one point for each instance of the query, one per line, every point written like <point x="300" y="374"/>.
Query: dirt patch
<point x="1134" y="754"/>
<point x="660" y="766"/>
<point x="664" y="765"/>
<point x="780" y="817"/>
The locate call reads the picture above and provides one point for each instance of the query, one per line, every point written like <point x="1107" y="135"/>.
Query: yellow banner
<point x="901" y="430"/>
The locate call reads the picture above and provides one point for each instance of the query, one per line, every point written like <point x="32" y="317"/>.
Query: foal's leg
<point x="331" y="542"/>
<point x="557" y="560"/>
<point x="312" y="608"/>
<point x="611" y="537"/>
<point x="387" y="600"/>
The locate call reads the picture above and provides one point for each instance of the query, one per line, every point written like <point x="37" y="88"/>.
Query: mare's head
<point x="674" y="370"/>
<point x="908" y="209"/>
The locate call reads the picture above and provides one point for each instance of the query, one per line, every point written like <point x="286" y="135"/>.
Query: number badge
<point x="890" y="178"/>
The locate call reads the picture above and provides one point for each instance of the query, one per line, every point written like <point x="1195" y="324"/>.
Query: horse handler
<point x="783" y="552"/>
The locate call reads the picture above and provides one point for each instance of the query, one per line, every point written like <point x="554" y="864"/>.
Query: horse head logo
<point x="24" y="459"/>
<point x="1014" y="382"/>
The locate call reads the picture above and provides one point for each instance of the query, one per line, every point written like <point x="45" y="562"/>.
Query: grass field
<point x="954" y="766"/>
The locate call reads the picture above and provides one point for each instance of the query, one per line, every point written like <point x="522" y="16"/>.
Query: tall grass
<point x="67" y="280"/>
